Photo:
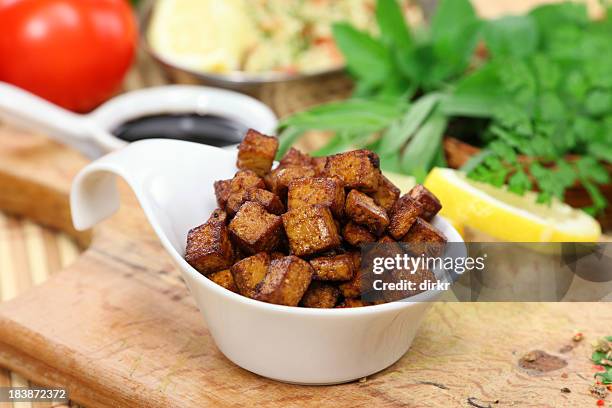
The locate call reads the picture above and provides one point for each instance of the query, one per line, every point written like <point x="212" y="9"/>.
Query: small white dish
<point x="173" y="181"/>
<point x="92" y="133"/>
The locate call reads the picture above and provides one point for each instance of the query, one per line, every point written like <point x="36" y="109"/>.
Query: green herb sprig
<point x="543" y="85"/>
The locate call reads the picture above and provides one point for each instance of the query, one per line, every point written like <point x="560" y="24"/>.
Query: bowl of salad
<point x="254" y="45"/>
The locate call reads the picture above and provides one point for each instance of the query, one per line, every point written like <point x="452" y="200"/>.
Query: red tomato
<point x="74" y="53"/>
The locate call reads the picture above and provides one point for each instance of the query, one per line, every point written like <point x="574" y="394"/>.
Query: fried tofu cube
<point x="350" y="303"/>
<point x="278" y="179"/>
<point x="429" y="202"/>
<point x="243" y="181"/>
<point x="286" y="282"/>
<point x="353" y="287"/>
<point x="403" y="214"/>
<point x="318" y="190"/>
<point x="256" y="152"/>
<point x="224" y="278"/>
<point x="222" y="191"/>
<point x="356" y="235"/>
<point x="359" y="169"/>
<point x="399" y="275"/>
<point x="363" y="210"/>
<point x="319" y="165"/>
<point x="209" y="248"/>
<point x="295" y="158"/>
<point x="254" y="229"/>
<point x="234" y="202"/>
<point x="333" y="268"/>
<point x="424" y="238"/>
<point x="311" y="230"/>
<point x="386" y="194"/>
<point x="361" y="283"/>
<point x="320" y="295"/>
<point x="269" y="200"/>
<point x="249" y="272"/>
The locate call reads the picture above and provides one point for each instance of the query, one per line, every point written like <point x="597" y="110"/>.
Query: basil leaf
<point x="404" y="128"/>
<point x="366" y="58"/>
<point x="515" y="36"/>
<point x="420" y="153"/>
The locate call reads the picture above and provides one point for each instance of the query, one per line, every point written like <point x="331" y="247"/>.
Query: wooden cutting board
<point x="119" y="329"/>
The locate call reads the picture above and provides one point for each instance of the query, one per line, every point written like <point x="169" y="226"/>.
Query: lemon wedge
<point x="506" y="216"/>
<point x="205" y="35"/>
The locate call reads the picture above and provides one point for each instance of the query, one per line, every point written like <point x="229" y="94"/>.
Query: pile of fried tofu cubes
<point x="292" y="235"/>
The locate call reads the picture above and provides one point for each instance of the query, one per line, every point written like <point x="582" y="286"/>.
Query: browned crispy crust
<point x="333" y="268"/>
<point x="286" y="281"/>
<point x="320" y="295"/>
<point x="426" y="239"/>
<point x="403" y="214"/>
<point x="269" y="200"/>
<point x="256" y="152"/>
<point x="363" y="210"/>
<point x="254" y="229"/>
<point x="386" y="194"/>
<point x="352" y="288"/>
<point x="319" y="165"/>
<point x="243" y="181"/>
<point x="249" y="272"/>
<point x="222" y="191"/>
<point x="278" y="179"/>
<point x="209" y="248"/>
<point x="318" y="190"/>
<point x="356" y="235"/>
<point x="396" y="276"/>
<point x="359" y="169"/>
<point x="224" y="278"/>
<point x="430" y="205"/>
<point x="310" y="230"/>
<point x="294" y="157"/>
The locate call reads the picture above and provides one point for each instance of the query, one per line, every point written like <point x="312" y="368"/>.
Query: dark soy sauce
<point x="206" y="129"/>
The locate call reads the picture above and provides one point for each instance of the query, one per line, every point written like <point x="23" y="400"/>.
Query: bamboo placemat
<point x="29" y="254"/>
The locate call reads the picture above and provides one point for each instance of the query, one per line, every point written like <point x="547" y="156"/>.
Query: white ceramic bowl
<point x="173" y="181"/>
<point x="92" y="133"/>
